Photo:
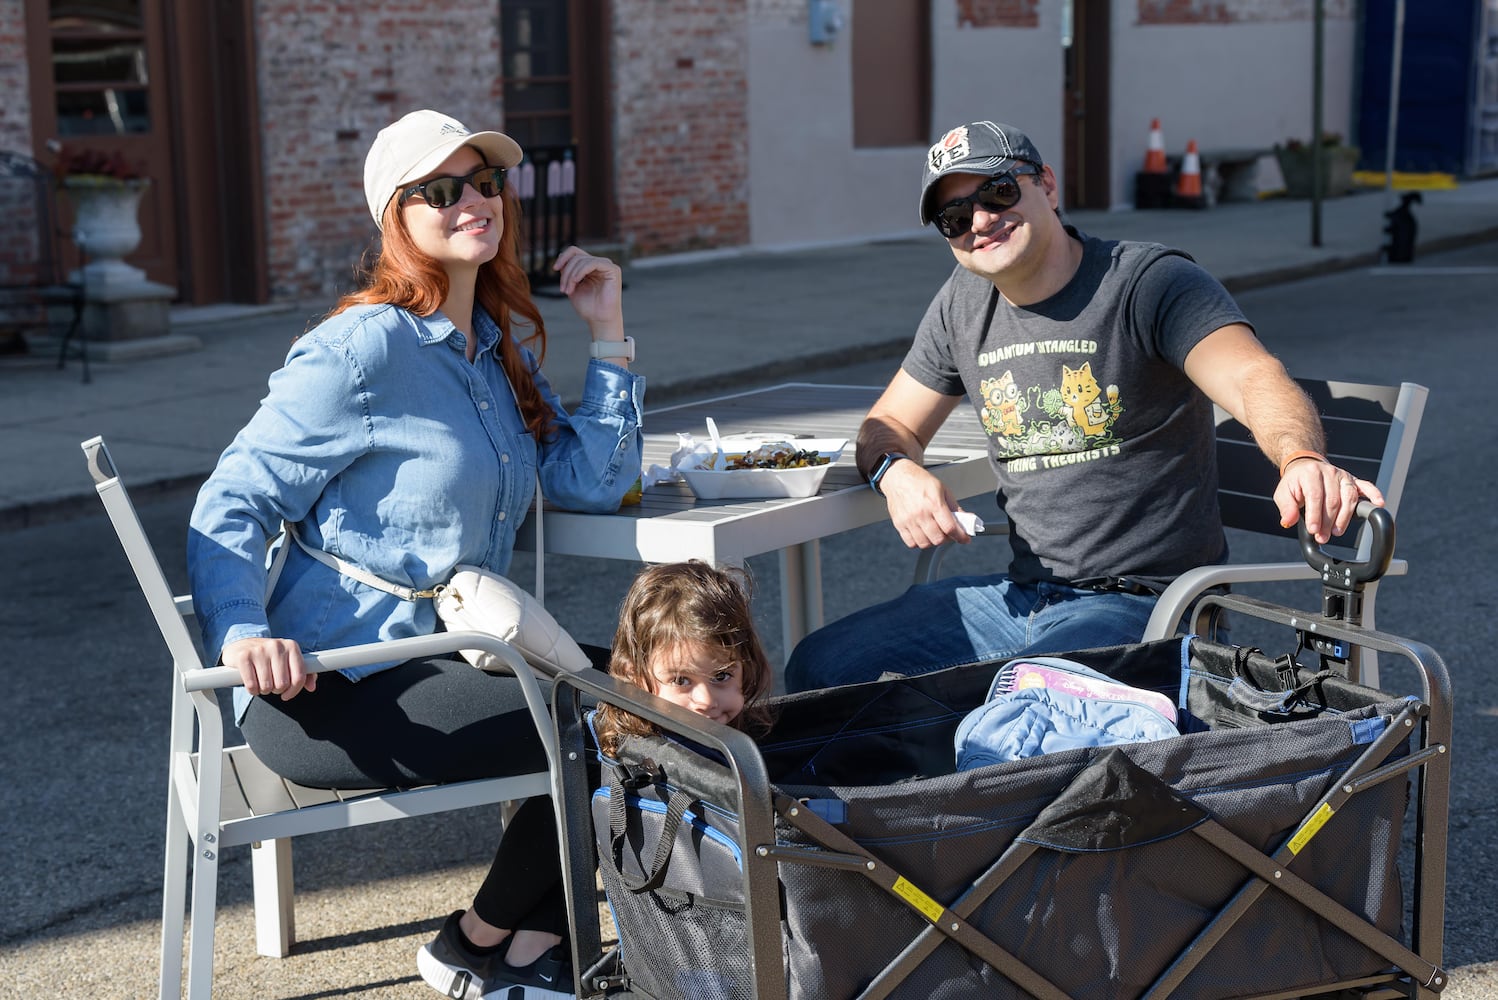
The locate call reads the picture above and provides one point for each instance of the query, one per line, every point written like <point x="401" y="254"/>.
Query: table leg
<point x="800" y="592"/>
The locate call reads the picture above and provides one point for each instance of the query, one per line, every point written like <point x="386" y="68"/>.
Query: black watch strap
<point x="885" y="461"/>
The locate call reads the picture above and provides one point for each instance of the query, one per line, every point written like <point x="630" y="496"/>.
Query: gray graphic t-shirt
<point x="1103" y="448"/>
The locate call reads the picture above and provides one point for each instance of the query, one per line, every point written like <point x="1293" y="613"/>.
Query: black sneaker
<point x="450" y="968"/>
<point x="547" y="978"/>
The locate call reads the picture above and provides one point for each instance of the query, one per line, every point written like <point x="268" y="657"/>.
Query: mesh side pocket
<point x="677" y="946"/>
<point x="684" y="937"/>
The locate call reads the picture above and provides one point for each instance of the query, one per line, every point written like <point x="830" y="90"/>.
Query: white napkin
<point x="689" y="454"/>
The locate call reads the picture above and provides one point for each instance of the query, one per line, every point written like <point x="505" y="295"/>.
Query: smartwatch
<point x="613" y="349"/>
<point x="885" y="461"/>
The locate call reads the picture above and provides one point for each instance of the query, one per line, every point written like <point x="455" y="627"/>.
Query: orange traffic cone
<point x="1189" y="183"/>
<point x="1154" y="156"/>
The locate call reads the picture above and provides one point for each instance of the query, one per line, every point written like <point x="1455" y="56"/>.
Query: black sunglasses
<point x="444" y="192"/>
<point x="999" y="192"/>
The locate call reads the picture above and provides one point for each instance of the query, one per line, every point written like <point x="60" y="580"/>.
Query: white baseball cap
<point x="416" y="145"/>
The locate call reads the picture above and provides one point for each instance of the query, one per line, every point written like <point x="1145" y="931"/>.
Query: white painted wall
<point x="1239" y="86"/>
<point x="1236" y="85"/>
<point x="1009" y="75"/>
<point x="807" y="182"/>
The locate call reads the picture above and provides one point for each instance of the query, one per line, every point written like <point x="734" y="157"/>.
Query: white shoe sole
<point x="458" y="984"/>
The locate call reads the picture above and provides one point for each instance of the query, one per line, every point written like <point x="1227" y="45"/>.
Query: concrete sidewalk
<point x="703" y="324"/>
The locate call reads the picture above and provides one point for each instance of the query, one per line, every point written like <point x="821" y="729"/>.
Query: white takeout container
<point x="747" y="484"/>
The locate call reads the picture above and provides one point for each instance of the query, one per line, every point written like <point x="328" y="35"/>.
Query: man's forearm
<point x="878" y="435"/>
<point x="1281" y="417"/>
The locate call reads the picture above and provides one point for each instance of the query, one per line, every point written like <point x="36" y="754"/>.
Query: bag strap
<point x="540" y="541"/>
<point x="676" y="807"/>
<point x="353" y="572"/>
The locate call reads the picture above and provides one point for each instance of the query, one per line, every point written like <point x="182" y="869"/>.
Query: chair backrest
<point x="1370" y="432"/>
<point x="167" y="609"/>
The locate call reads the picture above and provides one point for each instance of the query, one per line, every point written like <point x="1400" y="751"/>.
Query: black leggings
<point x="426" y="721"/>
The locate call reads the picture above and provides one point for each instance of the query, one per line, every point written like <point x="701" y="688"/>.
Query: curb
<point x="1371" y="258"/>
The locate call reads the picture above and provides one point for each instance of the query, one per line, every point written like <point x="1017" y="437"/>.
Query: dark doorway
<point x="99" y="82"/>
<point x="555" y="74"/>
<point x="170" y="85"/>
<point x="1086" y="111"/>
<point x="891" y="73"/>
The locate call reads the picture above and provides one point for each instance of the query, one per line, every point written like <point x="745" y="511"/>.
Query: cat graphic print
<point x="1076" y="415"/>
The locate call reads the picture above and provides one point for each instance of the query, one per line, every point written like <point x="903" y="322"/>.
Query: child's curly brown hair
<point x="685" y="604"/>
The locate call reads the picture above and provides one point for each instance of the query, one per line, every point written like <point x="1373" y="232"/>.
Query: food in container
<point x="760" y="468"/>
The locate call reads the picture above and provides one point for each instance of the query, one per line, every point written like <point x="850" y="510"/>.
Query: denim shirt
<point x="386" y="447"/>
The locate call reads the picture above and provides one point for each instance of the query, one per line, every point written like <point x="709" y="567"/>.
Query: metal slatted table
<point x="671" y="524"/>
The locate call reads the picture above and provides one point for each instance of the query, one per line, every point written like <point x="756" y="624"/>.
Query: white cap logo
<point x="952" y="148"/>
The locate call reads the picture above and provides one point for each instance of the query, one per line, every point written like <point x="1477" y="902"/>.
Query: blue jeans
<point x="965" y="619"/>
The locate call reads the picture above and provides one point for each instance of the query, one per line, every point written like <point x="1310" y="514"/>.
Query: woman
<point x="405" y="435"/>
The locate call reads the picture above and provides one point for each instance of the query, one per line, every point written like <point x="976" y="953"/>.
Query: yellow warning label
<point x="918" y="899"/>
<point x="1311" y="828"/>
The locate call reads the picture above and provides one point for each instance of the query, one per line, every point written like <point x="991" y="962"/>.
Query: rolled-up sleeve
<point x="593" y="457"/>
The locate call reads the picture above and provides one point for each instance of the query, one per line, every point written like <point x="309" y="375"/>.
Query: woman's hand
<point x="270" y="666"/>
<point x="594" y="284"/>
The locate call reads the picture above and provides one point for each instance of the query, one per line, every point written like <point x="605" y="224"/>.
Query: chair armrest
<point x="1190" y="585"/>
<point x="928" y="562"/>
<point x="209" y="678"/>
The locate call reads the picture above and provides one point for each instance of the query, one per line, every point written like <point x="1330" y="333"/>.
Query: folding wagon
<point x="1291" y="842"/>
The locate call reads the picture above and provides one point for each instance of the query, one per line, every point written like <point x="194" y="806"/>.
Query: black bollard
<point x="1401" y="229"/>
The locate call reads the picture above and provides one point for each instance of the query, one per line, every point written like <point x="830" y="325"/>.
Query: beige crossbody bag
<point x="477" y="600"/>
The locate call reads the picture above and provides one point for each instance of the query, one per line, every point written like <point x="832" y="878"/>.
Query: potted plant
<point x="1296" y="160"/>
<point x="105" y="190"/>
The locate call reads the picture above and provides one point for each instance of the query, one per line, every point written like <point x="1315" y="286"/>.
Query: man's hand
<point x="1329" y="496"/>
<point x="920" y="506"/>
<point x="270" y="666"/>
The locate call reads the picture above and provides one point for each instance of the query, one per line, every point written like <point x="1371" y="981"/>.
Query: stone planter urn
<point x="106" y="226"/>
<point x="1337" y="165"/>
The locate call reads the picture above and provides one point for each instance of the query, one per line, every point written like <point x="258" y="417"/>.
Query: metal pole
<point x="1397" y="61"/>
<point x="1319" y="22"/>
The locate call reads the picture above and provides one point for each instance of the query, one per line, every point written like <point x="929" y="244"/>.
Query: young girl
<point x="686" y="634"/>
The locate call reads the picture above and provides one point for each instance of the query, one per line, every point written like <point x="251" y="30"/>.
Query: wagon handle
<point x="1351" y="574"/>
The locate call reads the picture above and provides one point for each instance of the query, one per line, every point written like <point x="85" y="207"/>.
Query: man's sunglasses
<point x="955" y="218"/>
<point x="444" y="192"/>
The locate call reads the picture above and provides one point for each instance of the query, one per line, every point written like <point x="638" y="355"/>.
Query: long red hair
<point x="403" y="275"/>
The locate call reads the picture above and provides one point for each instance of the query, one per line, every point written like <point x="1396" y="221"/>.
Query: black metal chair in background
<point x="36" y="291"/>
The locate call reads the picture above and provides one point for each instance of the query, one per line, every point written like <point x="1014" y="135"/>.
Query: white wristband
<point x="613" y="349"/>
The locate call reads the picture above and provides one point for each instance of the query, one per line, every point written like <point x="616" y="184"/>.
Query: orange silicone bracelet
<point x="1296" y="456"/>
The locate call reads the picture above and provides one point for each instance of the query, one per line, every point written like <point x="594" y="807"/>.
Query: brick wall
<point x="331" y="74"/>
<point x="681" y="123"/>
<point x="17" y="219"/>
<point x="998" y="13"/>
<point x="1237" y="11"/>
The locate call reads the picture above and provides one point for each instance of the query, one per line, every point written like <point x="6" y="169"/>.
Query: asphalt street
<point x="87" y="683"/>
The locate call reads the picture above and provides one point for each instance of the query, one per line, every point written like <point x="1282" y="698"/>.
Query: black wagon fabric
<point x="1115" y="884"/>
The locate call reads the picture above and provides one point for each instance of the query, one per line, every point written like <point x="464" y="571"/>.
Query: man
<point x="1093" y="365"/>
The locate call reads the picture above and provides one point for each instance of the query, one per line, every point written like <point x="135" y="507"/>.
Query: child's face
<point x="698" y="679"/>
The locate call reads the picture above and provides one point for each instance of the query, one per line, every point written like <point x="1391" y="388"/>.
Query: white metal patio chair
<point x="220" y="797"/>
<point x="1370" y="432"/>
